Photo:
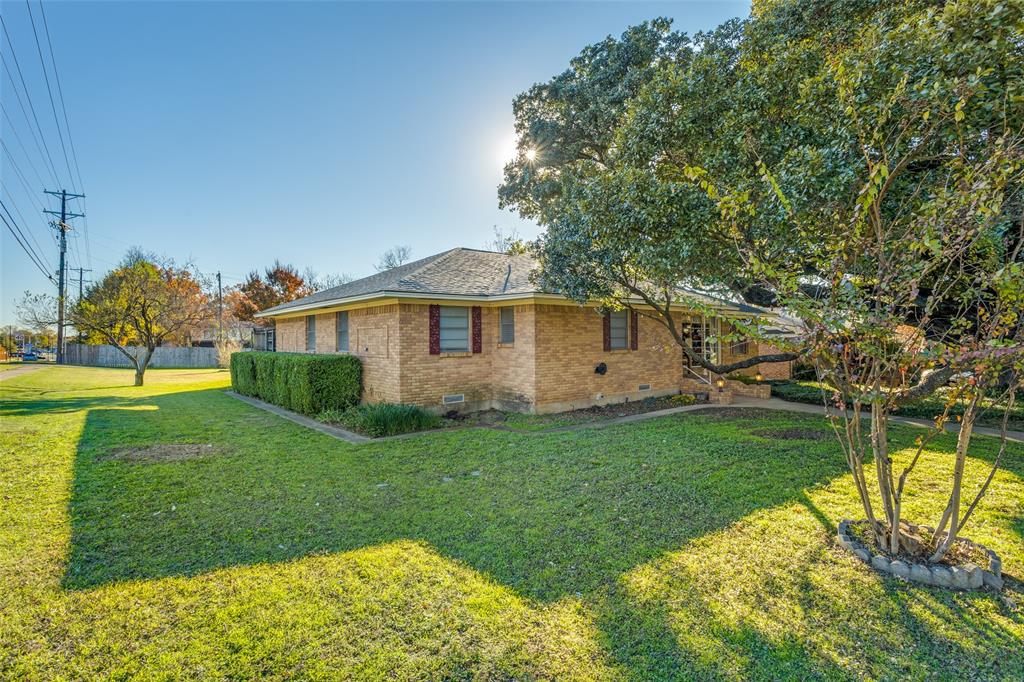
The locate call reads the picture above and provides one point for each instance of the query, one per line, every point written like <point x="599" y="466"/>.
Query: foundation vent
<point x="453" y="398"/>
<point x="643" y="387"/>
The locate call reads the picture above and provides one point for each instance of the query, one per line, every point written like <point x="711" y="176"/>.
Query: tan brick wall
<point x="774" y="370"/>
<point x="372" y="335"/>
<point x="496" y="373"/>
<point x="549" y="367"/>
<point x="570" y="345"/>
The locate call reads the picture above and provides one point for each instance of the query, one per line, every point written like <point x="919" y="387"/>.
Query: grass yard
<point x="172" y="531"/>
<point x="926" y="408"/>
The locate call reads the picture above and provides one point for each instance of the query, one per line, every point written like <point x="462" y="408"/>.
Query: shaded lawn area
<point x="926" y="408"/>
<point x="683" y="547"/>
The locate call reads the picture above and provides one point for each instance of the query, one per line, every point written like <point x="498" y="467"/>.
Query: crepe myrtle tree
<point x="867" y="180"/>
<point x="925" y="286"/>
<point x="143" y="301"/>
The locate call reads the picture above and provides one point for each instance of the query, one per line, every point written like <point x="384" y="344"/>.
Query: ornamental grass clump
<point x="383" y="419"/>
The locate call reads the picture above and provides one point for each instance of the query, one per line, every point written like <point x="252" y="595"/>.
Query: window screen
<point x="341" y="329"/>
<point x="620" y="329"/>
<point x="454" y="329"/>
<point x="311" y="333"/>
<point x="508" y="325"/>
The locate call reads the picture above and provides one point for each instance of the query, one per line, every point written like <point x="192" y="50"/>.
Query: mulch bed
<point x="168" y="452"/>
<point x="959" y="554"/>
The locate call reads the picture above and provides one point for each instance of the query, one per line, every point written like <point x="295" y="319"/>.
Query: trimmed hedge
<point x="305" y="383"/>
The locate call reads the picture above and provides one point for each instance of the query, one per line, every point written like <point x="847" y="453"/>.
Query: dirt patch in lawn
<point x="166" y="452"/>
<point x="730" y="413"/>
<point x="794" y="433"/>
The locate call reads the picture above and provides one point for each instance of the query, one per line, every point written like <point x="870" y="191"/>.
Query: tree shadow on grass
<point x="578" y="514"/>
<point x="547" y="515"/>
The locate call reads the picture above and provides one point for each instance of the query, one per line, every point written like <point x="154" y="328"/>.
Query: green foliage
<point x="383" y="419"/>
<point x="306" y="383"/>
<point x="683" y="399"/>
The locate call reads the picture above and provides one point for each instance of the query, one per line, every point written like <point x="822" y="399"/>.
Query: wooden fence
<point x="109" y="356"/>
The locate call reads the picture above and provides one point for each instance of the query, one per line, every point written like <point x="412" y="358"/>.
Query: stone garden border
<point x="967" y="577"/>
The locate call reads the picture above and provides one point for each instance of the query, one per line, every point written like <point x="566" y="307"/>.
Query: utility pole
<point x="81" y="283"/>
<point x="63" y="228"/>
<point x="220" y="310"/>
<point x="81" y="280"/>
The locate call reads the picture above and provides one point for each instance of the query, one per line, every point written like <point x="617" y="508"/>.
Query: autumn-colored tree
<point x="278" y="284"/>
<point x="142" y="302"/>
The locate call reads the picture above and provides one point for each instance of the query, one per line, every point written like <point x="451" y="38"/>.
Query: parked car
<point x="31" y="356"/>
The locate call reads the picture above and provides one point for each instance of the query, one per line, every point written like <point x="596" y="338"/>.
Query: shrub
<point x="304" y="383"/>
<point x="383" y="419"/>
<point x="683" y="399"/>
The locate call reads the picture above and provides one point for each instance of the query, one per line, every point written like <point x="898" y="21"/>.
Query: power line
<point x="28" y="95"/>
<point x="25" y="222"/>
<point x="60" y="92"/>
<point x="49" y="91"/>
<point x="21" y="144"/>
<point x="12" y="225"/>
<point x="35" y="138"/>
<point x="67" y="128"/>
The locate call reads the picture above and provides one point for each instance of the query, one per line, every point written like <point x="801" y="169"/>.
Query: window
<point x="620" y="329"/>
<point x="454" y="329"/>
<point x="341" y="330"/>
<point x="310" y="333"/>
<point x="508" y="324"/>
<point x="741" y="348"/>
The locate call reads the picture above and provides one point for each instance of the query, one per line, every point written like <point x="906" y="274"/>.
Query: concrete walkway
<point x="11" y="373"/>
<point x="746" y="403"/>
<point x="952" y="427"/>
<point x="340" y="434"/>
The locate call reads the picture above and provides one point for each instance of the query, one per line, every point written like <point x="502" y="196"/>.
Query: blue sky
<point x="231" y="134"/>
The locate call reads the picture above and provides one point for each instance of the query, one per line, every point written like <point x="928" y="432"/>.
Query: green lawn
<point x="683" y="547"/>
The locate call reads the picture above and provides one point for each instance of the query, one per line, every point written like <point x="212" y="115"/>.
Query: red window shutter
<point x="435" y="329"/>
<point x="478" y="340"/>
<point x="607" y="332"/>
<point x="634" y="326"/>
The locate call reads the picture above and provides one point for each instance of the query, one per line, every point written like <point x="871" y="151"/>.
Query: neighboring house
<point x="467" y="329"/>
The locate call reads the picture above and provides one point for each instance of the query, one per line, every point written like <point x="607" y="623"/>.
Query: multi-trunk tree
<point x="856" y="163"/>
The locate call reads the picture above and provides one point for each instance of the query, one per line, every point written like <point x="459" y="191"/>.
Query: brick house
<point x="466" y="329"/>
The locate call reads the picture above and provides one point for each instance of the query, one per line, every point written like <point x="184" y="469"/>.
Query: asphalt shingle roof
<point x="461" y="272"/>
<point x="457" y="272"/>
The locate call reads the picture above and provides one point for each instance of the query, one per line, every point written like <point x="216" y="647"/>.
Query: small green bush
<point x="305" y="383"/>
<point x="383" y="419"/>
<point x="683" y="399"/>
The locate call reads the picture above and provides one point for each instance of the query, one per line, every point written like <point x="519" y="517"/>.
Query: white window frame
<point x="507" y="328"/>
<point x="451" y="332"/>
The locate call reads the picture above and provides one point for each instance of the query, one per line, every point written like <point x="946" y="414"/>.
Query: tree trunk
<point x="952" y="512"/>
<point x="141" y="364"/>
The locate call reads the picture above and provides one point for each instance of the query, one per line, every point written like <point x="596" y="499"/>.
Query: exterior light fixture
<point x="758" y="377"/>
<point x="720" y="383"/>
